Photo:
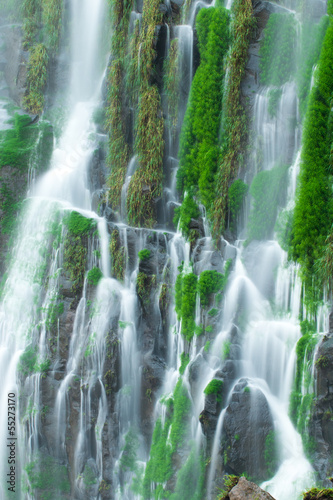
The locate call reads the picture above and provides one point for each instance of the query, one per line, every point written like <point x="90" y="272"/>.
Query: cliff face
<point x="154" y="356"/>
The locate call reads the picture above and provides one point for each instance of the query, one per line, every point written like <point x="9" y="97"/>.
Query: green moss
<point x="185" y="299"/>
<point x="171" y="84"/>
<point x="274" y="96"/>
<point x="144" y="254"/>
<point x="271" y="453"/>
<point x="75" y="257"/>
<point x="199" y="137"/>
<point x="118" y="154"/>
<point x="183" y="214"/>
<point x="46" y="477"/>
<point x="118" y="262"/>
<point x="210" y="282"/>
<point x="77" y="224"/>
<point x="184" y="359"/>
<point x="27" y="361"/>
<point x="317" y="493"/>
<point x="36" y="79"/>
<point x="165" y="442"/>
<point x="16" y="144"/>
<point x="146" y="183"/>
<point x="129" y="452"/>
<point x="302" y="397"/>
<point x="214" y="387"/>
<point x="277" y="57"/>
<point x="213" y="312"/>
<point x="265" y="190"/>
<point x="144" y="286"/>
<point x="313" y="214"/>
<point x="94" y="276"/>
<point x="311" y="41"/>
<point x="234" y="122"/>
<point x="191" y="478"/>
<point x="236" y="194"/>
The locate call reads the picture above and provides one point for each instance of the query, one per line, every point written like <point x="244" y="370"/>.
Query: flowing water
<point x="260" y="306"/>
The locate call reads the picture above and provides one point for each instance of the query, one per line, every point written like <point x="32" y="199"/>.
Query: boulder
<point x="247" y="425"/>
<point x="246" y="490"/>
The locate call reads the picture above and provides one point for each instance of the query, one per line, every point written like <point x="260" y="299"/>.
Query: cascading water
<point x="123" y="391"/>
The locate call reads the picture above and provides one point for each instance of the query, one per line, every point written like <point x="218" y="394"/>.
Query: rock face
<point x="321" y="425"/>
<point x="246" y="490"/>
<point x="247" y="426"/>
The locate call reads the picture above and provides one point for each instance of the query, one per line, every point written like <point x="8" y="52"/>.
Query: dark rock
<point x="153" y="373"/>
<point x="246" y="490"/>
<point x="321" y="423"/>
<point x="246" y="426"/>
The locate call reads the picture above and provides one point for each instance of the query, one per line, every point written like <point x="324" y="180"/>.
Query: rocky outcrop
<point x="321" y="424"/>
<point x="246" y="490"/>
<point x="246" y="427"/>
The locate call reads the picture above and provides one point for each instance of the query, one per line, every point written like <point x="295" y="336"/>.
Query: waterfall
<point x="145" y="362"/>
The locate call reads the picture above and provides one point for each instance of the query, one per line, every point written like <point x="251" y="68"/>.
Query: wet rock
<point x="17" y="62"/>
<point x="247" y="424"/>
<point x="153" y="373"/>
<point x="321" y="424"/>
<point x="96" y="170"/>
<point x="246" y="490"/>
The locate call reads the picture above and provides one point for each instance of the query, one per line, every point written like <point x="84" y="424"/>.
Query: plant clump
<point x="94" y="276"/>
<point x="199" y="149"/>
<point x="36" y="79"/>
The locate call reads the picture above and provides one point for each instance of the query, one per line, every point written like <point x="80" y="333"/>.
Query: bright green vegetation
<point x="28" y="363"/>
<point x="118" y="262"/>
<point x="184" y="359"/>
<point x="144" y="254"/>
<point x="311" y="42"/>
<point x="313" y="213"/>
<point x="186" y="288"/>
<point x="94" y="276"/>
<point x="274" y="96"/>
<point x="277" y="58"/>
<point x="226" y="349"/>
<point x="270" y="453"/>
<point x="16" y="144"/>
<point x="199" y="137"/>
<point x="301" y="400"/>
<point x="187" y="211"/>
<point x="171" y="83"/>
<point x="265" y="190"/>
<point x="185" y="299"/>
<point x="165" y="442"/>
<point x="236" y="194"/>
<point x="36" y="79"/>
<point x="77" y="224"/>
<point x="46" y="477"/>
<point x="75" y="245"/>
<point x="234" y="120"/>
<point x="210" y="282"/>
<point x="283" y="228"/>
<point x="90" y="345"/>
<point x="146" y="183"/>
<point x="191" y="478"/>
<point x="214" y="387"/>
<point x="129" y="454"/>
